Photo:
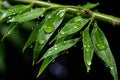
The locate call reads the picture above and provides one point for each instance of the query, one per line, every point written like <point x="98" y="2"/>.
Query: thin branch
<point x="78" y="11"/>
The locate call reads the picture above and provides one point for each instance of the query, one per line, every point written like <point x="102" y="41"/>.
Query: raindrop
<point x="89" y="63"/>
<point x="32" y="28"/>
<point x="61" y="14"/>
<point x="41" y="41"/>
<point x="77" y="19"/>
<point x="31" y="46"/>
<point x="84" y="46"/>
<point x="64" y="42"/>
<point x="76" y="27"/>
<point x="48" y="29"/>
<point x="111" y="68"/>
<point x="55" y="48"/>
<point x="87" y="50"/>
<point x="55" y="45"/>
<point x="49" y="17"/>
<point x="49" y="52"/>
<point x="101" y="46"/>
<point x="62" y="32"/>
<point x="9" y="17"/>
<point x="42" y="15"/>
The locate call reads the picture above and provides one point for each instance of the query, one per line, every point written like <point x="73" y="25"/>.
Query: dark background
<point x="69" y="66"/>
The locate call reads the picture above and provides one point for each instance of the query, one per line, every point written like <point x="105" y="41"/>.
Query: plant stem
<point x="78" y="11"/>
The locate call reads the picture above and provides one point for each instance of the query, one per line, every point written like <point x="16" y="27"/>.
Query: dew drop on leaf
<point x="48" y="29"/>
<point x="77" y="19"/>
<point x="76" y="27"/>
<point x="61" y="14"/>
<point x="62" y="32"/>
<point x="41" y="41"/>
<point x="101" y="47"/>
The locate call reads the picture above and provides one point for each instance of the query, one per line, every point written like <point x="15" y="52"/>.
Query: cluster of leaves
<point x="49" y="33"/>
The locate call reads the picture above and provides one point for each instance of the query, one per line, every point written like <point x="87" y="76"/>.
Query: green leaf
<point x="90" y="5"/>
<point x="33" y="36"/>
<point x="88" y="48"/>
<point x="9" y="30"/>
<point x="32" y="14"/>
<point x="60" y="46"/>
<point x="103" y="50"/>
<point x="12" y="11"/>
<point x="50" y="57"/>
<point x="51" y="21"/>
<point x="45" y="63"/>
<point x="73" y="26"/>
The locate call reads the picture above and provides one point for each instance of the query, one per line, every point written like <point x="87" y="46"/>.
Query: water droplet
<point x="55" y="48"/>
<point x="42" y="15"/>
<point x="32" y="28"/>
<point x="49" y="52"/>
<point x="87" y="50"/>
<point x="111" y="68"/>
<point x="41" y="41"/>
<point x="88" y="69"/>
<point x="49" y="17"/>
<point x="61" y="14"/>
<point x="76" y="27"/>
<point x="84" y="46"/>
<point x="89" y="63"/>
<point x="55" y="45"/>
<point x="31" y="46"/>
<point x="77" y="19"/>
<point x="12" y="19"/>
<point x="62" y="32"/>
<point x="64" y="42"/>
<point x="101" y="46"/>
<point x="8" y="33"/>
<point x="48" y="29"/>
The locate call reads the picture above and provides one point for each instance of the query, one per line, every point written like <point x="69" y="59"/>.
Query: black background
<point x="72" y="65"/>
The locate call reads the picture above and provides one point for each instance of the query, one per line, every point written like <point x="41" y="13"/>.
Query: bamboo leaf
<point x="73" y="26"/>
<point x="34" y="13"/>
<point x="103" y="50"/>
<point x="12" y="11"/>
<point x="49" y="58"/>
<point x="33" y="36"/>
<point x="45" y="63"/>
<point x="57" y="48"/>
<point x="90" y="5"/>
<point x="9" y="30"/>
<point x="88" y="48"/>
<point x="51" y="21"/>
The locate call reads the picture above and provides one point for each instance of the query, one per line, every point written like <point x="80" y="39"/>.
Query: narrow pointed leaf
<point x="73" y="26"/>
<point x="9" y="30"/>
<point x="33" y="36"/>
<point x="88" y="48"/>
<point x="103" y="50"/>
<point x="51" y="21"/>
<point x="32" y="14"/>
<point x="45" y="63"/>
<point x="60" y="46"/>
<point x="90" y="5"/>
<point x="12" y="11"/>
<point x="50" y="58"/>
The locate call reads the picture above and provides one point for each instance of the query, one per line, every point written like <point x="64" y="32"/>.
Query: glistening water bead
<point x="49" y="29"/>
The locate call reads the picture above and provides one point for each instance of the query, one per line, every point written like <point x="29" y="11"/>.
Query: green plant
<point x="80" y="20"/>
